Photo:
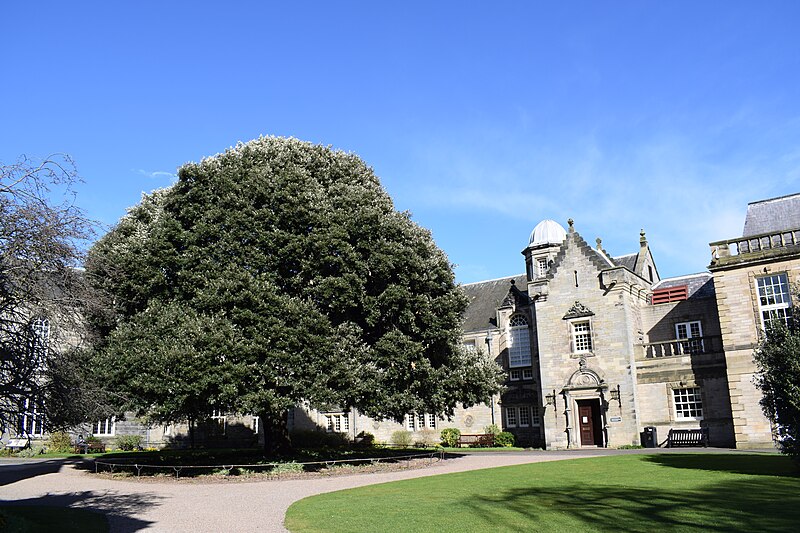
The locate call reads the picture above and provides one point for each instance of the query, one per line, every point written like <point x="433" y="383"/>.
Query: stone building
<point x="597" y="347"/>
<point x="753" y="276"/>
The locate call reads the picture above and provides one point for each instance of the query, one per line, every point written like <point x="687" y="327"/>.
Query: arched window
<point x="519" y="340"/>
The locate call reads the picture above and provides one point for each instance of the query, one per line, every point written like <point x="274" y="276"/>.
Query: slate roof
<point x="627" y="261"/>
<point x="484" y="299"/>
<point x="698" y="285"/>
<point x="772" y="215"/>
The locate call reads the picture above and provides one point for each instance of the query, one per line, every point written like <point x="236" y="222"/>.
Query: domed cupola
<point x="543" y="245"/>
<point x="547" y="232"/>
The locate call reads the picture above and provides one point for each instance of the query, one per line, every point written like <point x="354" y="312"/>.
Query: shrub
<point x="504" y="439"/>
<point x="450" y="436"/>
<point x="630" y="447"/>
<point x="492" y="429"/>
<point x="319" y="439"/>
<point x="128" y="442"/>
<point x="365" y="439"/>
<point x="428" y="438"/>
<point x="287" y="468"/>
<point x="32" y="451"/>
<point x="59" y="442"/>
<point x="401" y="438"/>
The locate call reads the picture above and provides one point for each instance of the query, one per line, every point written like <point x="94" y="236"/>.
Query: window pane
<point x="511" y="416"/>
<point x="688" y="403"/>
<point x="582" y="336"/>
<point x="524" y="416"/>
<point x="519" y="340"/>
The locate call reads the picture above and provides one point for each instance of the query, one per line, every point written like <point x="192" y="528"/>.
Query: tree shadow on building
<point x="119" y="509"/>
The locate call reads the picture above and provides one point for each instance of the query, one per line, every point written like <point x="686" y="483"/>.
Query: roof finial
<point x="571" y="228"/>
<point x="642" y="238"/>
<point x="599" y="242"/>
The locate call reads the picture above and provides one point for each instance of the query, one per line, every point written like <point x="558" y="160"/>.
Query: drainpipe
<point x="488" y="341"/>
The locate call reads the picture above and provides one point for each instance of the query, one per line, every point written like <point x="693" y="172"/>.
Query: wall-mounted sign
<point x="615" y="419"/>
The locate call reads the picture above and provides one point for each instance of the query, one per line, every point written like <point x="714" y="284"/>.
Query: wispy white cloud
<point x="685" y="189"/>
<point x="156" y="174"/>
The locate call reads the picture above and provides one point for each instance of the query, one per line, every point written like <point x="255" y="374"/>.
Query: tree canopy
<point x="281" y="273"/>
<point x="42" y="293"/>
<point x="778" y="362"/>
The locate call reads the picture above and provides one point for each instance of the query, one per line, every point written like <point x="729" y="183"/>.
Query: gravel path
<point x="193" y="507"/>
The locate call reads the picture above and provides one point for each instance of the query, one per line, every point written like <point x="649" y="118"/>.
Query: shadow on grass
<point x="119" y="509"/>
<point x="741" y="505"/>
<point x="751" y="464"/>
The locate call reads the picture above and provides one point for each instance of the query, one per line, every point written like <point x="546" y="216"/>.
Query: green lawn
<point x="34" y="519"/>
<point x="673" y="492"/>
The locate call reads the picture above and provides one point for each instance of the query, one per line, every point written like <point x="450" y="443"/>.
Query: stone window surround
<point x="699" y="400"/>
<point x="520" y="374"/>
<point x="690" y="345"/>
<point x="420" y="421"/>
<point x="337" y="422"/>
<point x="514" y="326"/>
<point x="521" y="416"/>
<point x="571" y="323"/>
<point x="105" y="428"/>
<point x="761" y="309"/>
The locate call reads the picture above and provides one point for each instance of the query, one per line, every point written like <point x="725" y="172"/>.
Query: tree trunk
<point x="276" y="434"/>
<point x="191" y="433"/>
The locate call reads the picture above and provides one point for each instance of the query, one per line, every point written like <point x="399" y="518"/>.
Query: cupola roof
<point x="547" y="232"/>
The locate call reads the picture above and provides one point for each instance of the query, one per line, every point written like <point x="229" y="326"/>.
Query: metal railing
<point x="276" y="468"/>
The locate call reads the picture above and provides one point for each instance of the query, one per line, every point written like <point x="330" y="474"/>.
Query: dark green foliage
<point x="450" y="436"/>
<point x="365" y="439"/>
<point x="778" y="377"/>
<point x="275" y="273"/>
<point x="504" y="439"/>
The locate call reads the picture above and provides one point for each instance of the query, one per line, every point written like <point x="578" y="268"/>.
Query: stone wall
<point x="737" y="301"/>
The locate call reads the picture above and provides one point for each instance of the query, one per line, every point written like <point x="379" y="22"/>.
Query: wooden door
<point x="586" y="424"/>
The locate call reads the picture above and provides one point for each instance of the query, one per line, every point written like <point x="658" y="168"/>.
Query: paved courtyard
<point x="191" y="506"/>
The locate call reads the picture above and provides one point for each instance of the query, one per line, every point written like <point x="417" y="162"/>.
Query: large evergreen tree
<point x="280" y="272"/>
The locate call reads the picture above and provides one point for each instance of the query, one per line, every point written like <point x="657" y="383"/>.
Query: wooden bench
<point x="687" y="437"/>
<point x="90" y="447"/>
<point x="479" y="440"/>
<point x="18" y="444"/>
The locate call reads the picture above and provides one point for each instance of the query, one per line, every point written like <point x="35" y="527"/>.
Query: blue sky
<point x="480" y="119"/>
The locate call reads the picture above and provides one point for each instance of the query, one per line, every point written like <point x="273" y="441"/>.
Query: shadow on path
<point x="11" y="473"/>
<point x="120" y="509"/>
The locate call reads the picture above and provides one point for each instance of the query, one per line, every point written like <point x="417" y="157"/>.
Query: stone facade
<point x="769" y="249"/>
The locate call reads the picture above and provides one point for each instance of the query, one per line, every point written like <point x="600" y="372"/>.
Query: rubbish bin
<point x="649" y="437"/>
